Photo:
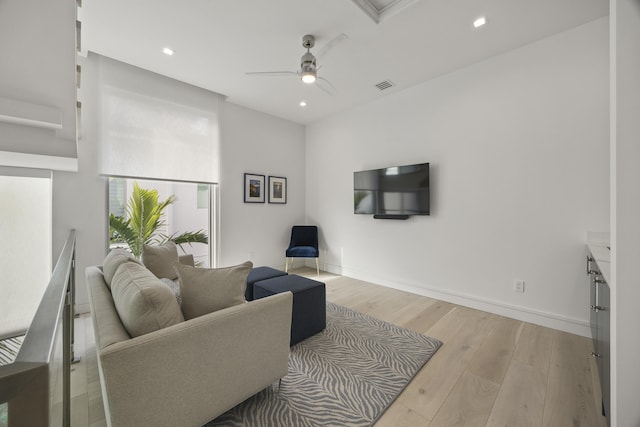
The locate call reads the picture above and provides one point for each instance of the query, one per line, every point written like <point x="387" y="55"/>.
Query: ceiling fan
<point x="308" y="71"/>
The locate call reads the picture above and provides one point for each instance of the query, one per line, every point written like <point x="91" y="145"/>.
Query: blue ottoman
<point x="309" y="303"/>
<point x="258" y="274"/>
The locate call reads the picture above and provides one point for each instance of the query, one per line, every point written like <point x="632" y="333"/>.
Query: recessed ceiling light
<point x="480" y="22"/>
<point x="167" y="51"/>
<point x="303" y="104"/>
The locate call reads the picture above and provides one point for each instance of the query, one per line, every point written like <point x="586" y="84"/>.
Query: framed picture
<point x="253" y="188"/>
<point x="277" y="189"/>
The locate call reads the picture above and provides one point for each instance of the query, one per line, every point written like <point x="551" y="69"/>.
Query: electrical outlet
<point x="518" y="286"/>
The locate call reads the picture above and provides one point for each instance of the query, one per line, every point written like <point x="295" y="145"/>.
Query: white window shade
<point x="151" y="126"/>
<point x="25" y="254"/>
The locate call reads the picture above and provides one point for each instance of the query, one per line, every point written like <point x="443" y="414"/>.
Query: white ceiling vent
<point x="386" y="84"/>
<point x="379" y="10"/>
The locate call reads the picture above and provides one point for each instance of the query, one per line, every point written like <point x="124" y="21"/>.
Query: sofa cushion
<point x="142" y="301"/>
<point x="112" y="261"/>
<point x="205" y="290"/>
<point x="160" y="259"/>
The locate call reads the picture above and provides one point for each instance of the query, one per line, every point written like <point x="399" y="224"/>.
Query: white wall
<point x="257" y="143"/>
<point x="80" y="198"/>
<point x="518" y="146"/>
<point x="625" y="211"/>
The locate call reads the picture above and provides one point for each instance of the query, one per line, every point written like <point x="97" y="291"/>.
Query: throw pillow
<point x="142" y="301"/>
<point x="187" y="259"/>
<point x="175" y="288"/>
<point x="205" y="290"/>
<point x="112" y="261"/>
<point x="160" y="259"/>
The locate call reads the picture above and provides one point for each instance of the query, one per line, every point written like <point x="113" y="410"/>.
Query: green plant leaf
<point x="120" y="230"/>
<point x="189" y="237"/>
<point x="145" y="214"/>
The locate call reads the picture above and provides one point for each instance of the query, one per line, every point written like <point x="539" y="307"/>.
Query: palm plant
<point x="145" y="215"/>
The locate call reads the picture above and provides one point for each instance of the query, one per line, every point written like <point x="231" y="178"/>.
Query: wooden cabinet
<point x="600" y="319"/>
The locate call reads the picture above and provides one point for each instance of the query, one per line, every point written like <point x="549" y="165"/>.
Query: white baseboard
<point x="525" y="314"/>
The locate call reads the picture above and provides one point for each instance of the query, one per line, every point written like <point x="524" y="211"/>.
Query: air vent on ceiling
<point x="386" y="84"/>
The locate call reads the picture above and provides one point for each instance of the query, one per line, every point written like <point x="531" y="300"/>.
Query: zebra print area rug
<point x="9" y="348"/>
<point x="346" y="375"/>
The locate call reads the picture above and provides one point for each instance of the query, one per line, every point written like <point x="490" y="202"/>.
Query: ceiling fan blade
<point x="272" y="73"/>
<point x="337" y="40"/>
<point x="325" y="86"/>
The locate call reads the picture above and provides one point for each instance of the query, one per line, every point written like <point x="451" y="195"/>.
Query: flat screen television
<point x="395" y="192"/>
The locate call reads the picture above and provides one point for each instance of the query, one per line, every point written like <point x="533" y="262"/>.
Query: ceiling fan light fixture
<point x="308" y="76"/>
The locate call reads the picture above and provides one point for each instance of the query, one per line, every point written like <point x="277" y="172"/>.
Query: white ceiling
<point x="217" y="41"/>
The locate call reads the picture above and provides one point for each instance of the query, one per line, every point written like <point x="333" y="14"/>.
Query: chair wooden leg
<point x="286" y="265"/>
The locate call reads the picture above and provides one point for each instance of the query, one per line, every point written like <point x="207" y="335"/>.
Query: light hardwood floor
<point x="491" y="370"/>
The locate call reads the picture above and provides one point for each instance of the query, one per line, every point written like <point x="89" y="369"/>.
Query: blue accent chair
<point x="304" y="244"/>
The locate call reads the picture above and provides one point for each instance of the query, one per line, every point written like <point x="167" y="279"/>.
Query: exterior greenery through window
<point x="143" y="219"/>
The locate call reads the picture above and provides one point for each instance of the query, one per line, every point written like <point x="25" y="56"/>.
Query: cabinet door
<point x="604" y="339"/>
<point x="593" y="317"/>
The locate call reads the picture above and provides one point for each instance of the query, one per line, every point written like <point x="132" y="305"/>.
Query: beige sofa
<point x="189" y="373"/>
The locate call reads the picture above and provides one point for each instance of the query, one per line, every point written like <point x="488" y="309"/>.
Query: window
<point x="188" y="213"/>
<point x="203" y="196"/>
<point x="25" y="253"/>
<point x="117" y="196"/>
